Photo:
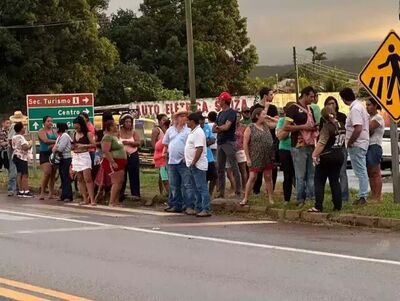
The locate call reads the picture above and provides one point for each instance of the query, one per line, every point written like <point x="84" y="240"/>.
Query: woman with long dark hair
<point x="328" y="159"/>
<point x="83" y="141"/>
<point x="331" y="101"/>
<point x="374" y="153"/>
<point x="47" y="138"/>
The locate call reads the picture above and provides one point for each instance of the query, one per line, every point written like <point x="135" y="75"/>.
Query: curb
<point x="286" y="215"/>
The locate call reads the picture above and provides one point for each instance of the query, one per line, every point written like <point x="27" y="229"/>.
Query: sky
<point x="341" y="28"/>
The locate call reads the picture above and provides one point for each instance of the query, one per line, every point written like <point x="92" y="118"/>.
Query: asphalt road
<point x="103" y="254"/>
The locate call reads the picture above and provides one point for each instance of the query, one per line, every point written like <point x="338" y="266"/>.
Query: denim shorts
<point x="374" y="155"/>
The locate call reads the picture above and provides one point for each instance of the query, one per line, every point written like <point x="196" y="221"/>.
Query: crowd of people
<point x="195" y="153"/>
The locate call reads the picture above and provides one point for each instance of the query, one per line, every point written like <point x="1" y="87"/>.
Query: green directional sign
<point x="61" y="112"/>
<point x="63" y="108"/>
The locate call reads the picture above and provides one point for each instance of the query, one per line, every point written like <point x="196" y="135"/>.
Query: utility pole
<point x="296" y="69"/>
<point x="189" y="35"/>
<point x="394" y="137"/>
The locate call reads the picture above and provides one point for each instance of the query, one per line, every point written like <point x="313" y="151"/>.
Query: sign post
<point x="61" y="107"/>
<point x="381" y="78"/>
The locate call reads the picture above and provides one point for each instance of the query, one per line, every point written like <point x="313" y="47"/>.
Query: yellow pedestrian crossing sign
<point x="381" y="76"/>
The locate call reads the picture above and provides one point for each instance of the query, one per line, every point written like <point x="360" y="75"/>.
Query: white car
<point x="387" y="150"/>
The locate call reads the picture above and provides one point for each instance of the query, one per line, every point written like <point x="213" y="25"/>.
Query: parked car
<point x="387" y="150"/>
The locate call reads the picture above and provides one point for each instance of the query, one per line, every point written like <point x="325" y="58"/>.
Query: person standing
<point x="374" y="153"/>
<point x="21" y="149"/>
<point x="181" y="187"/>
<point x="12" y="171"/>
<point x="225" y="127"/>
<point x="47" y="138"/>
<point x="328" y="159"/>
<point x="210" y="140"/>
<point x="357" y="141"/>
<point x="299" y="121"/>
<point x="81" y="161"/>
<point x="246" y="116"/>
<point x="115" y="160"/>
<point x="259" y="148"/>
<point x="285" y="156"/>
<point x="240" y="154"/>
<point x="92" y="131"/>
<point x="196" y="161"/>
<point x="265" y="103"/>
<point x="131" y="141"/>
<point x="341" y="117"/>
<point x="63" y="147"/>
<point x="157" y="134"/>
<point x="5" y="127"/>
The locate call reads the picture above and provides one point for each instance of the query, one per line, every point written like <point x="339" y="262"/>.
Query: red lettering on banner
<point x="204" y="107"/>
<point x="176" y="108"/>
<point x="236" y="104"/>
<point x="150" y="109"/>
<point x="157" y="109"/>
<point x="244" y="103"/>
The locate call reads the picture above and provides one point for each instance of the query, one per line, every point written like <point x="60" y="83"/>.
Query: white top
<point x="196" y="139"/>
<point x="213" y="146"/>
<point x="377" y="134"/>
<point x="17" y="142"/>
<point x="358" y="116"/>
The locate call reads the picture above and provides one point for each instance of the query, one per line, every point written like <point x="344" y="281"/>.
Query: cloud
<point x="338" y="27"/>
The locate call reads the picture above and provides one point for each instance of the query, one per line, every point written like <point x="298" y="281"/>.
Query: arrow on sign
<point x="85" y="100"/>
<point x="36" y="125"/>
<point x="86" y="111"/>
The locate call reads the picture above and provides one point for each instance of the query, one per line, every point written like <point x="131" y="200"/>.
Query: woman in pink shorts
<point x="259" y="148"/>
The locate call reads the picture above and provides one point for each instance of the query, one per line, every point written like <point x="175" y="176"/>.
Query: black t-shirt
<point x="297" y="115"/>
<point x="222" y="118"/>
<point x="272" y="112"/>
<point x="332" y="136"/>
<point x="341" y="117"/>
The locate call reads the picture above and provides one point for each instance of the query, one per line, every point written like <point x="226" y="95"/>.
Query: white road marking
<point x="216" y="240"/>
<point x="76" y="210"/>
<point x="131" y="210"/>
<point x="55" y="230"/>
<point x="226" y="223"/>
<point x="8" y="217"/>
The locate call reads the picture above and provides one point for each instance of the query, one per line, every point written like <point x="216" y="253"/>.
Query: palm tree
<point x="313" y="50"/>
<point x="320" y="56"/>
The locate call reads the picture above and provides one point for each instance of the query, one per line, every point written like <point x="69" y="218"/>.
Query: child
<point x="21" y="149"/>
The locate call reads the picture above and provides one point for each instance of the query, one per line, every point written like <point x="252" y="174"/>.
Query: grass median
<point x="149" y="188"/>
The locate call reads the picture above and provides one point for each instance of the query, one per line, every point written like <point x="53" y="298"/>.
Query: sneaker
<point x="28" y="195"/>
<point x="362" y="201"/>
<point x="300" y="205"/>
<point x="136" y="198"/>
<point x="190" y="211"/>
<point x="172" y="209"/>
<point x="10" y="193"/>
<point x="66" y="201"/>
<point x="20" y="194"/>
<point x="203" y="214"/>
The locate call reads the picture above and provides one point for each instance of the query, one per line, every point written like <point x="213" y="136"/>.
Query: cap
<point x="225" y="96"/>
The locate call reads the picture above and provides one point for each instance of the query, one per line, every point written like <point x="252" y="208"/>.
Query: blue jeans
<point x="344" y="182"/>
<point x="181" y="187"/>
<point x="358" y="157"/>
<point x="304" y="172"/>
<point x="199" y="178"/>
<point x="12" y="174"/>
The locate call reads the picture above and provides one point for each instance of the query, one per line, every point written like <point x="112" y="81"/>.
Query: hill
<point x="349" y="64"/>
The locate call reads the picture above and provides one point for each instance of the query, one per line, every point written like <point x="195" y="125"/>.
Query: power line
<point x="329" y="68"/>
<point x="328" y="73"/>
<point x="323" y="74"/>
<point x="54" y="24"/>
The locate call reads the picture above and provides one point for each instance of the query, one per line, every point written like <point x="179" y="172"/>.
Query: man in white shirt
<point x="357" y="141"/>
<point x="196" y="161"/>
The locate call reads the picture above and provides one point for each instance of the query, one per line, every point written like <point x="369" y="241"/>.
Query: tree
<point x="156" y="42"/>
<point x="65" y="55"/>
<point x="320" y="56"/>
<point x="313" y="50"/>
<point x="126" y="84"/>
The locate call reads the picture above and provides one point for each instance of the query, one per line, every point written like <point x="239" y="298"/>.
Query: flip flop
<point x="243" y="203"/>
<point x="313" y="210"/>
